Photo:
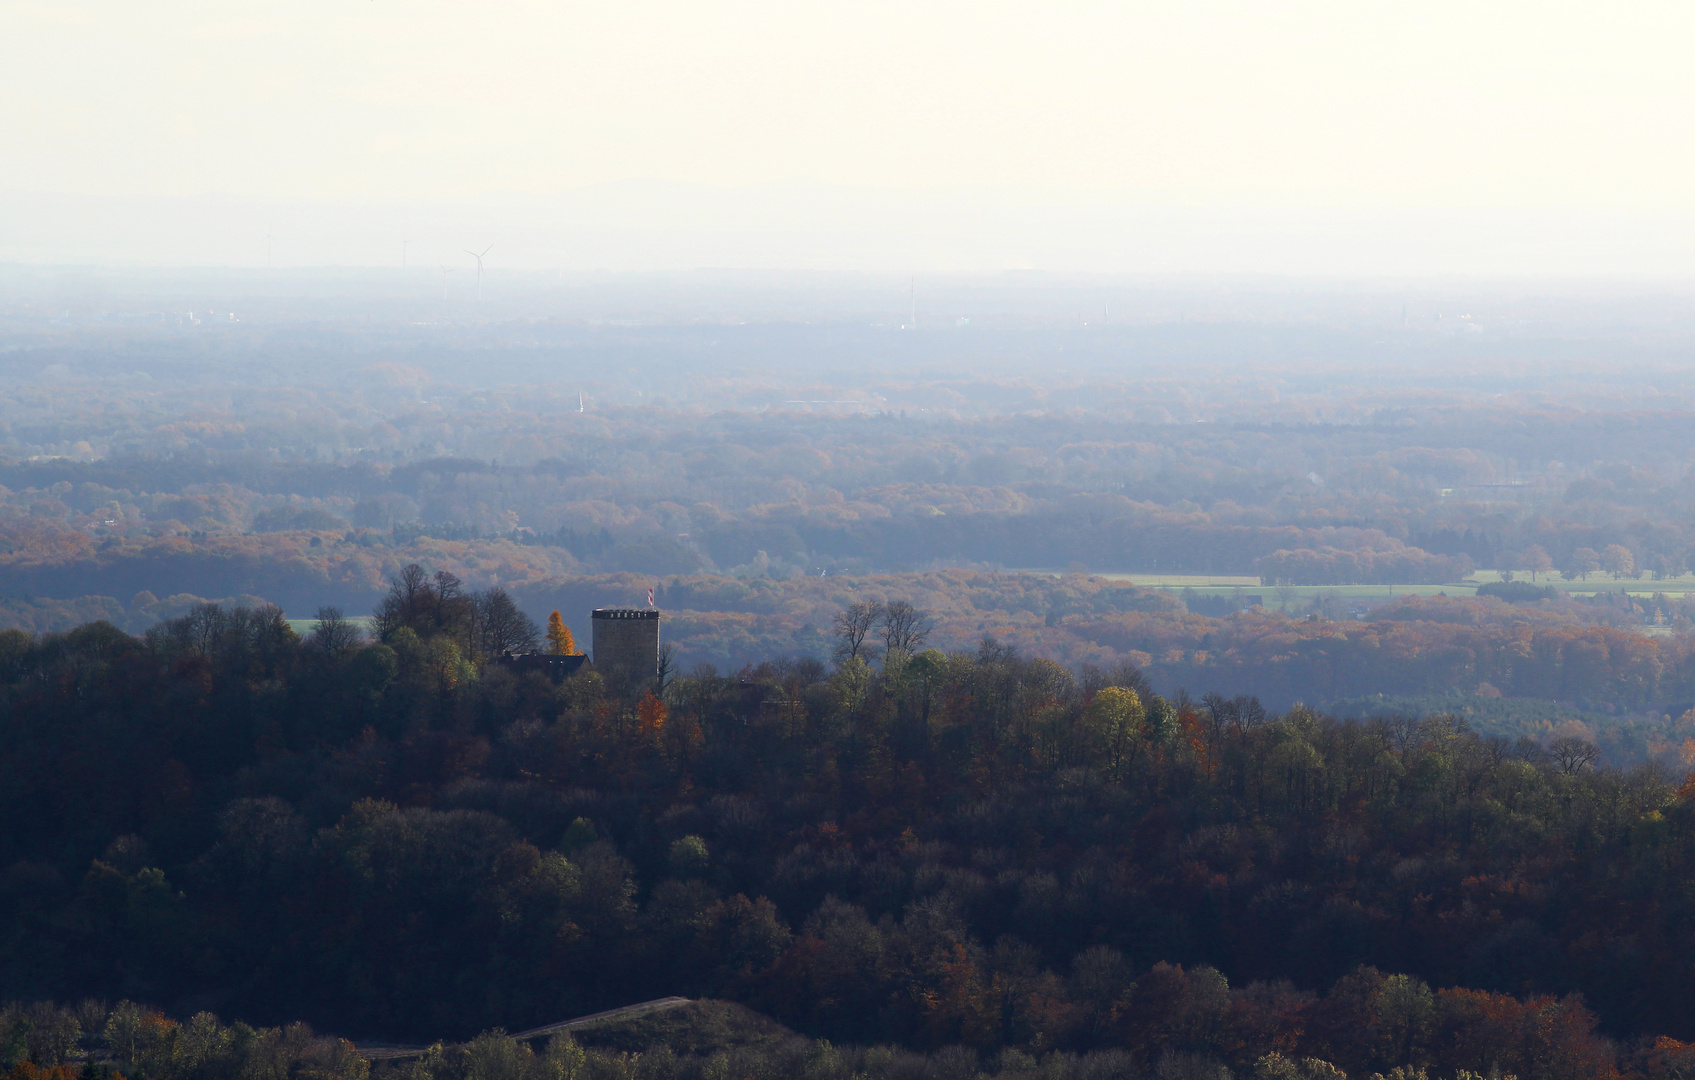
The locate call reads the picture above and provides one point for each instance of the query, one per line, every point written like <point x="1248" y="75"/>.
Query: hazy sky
<point x="1540" y="108"/>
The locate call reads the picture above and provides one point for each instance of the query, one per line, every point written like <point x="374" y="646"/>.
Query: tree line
<point x="917" y="848"/>
<point x="1208" y="1031"/>
<point x="656" y="492"/>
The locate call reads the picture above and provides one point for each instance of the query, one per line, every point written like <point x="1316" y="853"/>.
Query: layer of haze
<point x="1206" y="137"/>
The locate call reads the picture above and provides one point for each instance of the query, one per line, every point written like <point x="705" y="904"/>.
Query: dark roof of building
<point x="554" y="664"/>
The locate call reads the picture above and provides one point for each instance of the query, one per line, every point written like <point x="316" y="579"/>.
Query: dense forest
<point x="916" y="848"/>
<point x="936" y="780"/>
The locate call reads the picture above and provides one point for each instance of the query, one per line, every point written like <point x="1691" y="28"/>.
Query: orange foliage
<point x="1669" y="1059"/>
<point x="651" y="715"/>
<point x="559" y="639"/>
<point x="28" y="1070"/>
<point x="961" y="1007"/>
<point x="1542" y="1036"/>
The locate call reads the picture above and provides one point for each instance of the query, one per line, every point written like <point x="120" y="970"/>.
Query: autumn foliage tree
<point x="1116" y="722"/>
<point x="559" y="639"/>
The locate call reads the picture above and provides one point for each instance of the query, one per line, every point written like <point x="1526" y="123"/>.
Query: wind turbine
<point x="445" y="270"/>
<point x="478" y="255"/>
<point x="268" y="239"/>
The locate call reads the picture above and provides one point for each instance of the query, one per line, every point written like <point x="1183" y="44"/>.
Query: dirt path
<point x="390" y="1052"/>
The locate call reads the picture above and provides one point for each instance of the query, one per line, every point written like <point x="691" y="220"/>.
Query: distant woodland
<point x="1315" y="455"/>
<point x="786" y="495"/>
<point x="754" y="525"/>
<point x="917" y="783"/>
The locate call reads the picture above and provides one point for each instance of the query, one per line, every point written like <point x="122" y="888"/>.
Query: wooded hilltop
<point x="910" y="847"/>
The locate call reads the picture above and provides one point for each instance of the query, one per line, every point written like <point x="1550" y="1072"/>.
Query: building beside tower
<point x="626" y="644"/>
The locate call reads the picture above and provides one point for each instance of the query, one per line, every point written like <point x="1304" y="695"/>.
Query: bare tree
<point x="667" y="665"/>
<point x="238" y="634"/>
<point x="1573" y="754"/>
<point x="1221" y="714"/>
<point x="447" y="595"/>
<point x="852" y="625"/>
<point x="408" y="592"/>
<point x="904" y="627"/>
<point x="200" y="630"/>
<point x="1130" y="677"/>
<point x="501" y="626"/>
<point x="333" y="634"/>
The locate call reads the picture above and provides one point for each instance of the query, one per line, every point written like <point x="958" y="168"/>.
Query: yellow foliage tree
<point x="1116" y="719"/>
<point x="559" y="639"/>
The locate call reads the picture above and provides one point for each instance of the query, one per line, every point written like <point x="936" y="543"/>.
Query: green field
<point x="1276" y="597"/>
<point x="304" y="626"/>
<point x="1187" y="581"/>
<point x="1643" y="586"/>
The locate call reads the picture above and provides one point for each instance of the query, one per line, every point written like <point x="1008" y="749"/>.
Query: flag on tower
<point x="650" y="598"/>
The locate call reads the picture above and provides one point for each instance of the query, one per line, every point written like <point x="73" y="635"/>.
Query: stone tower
<point x="626" y="645"/>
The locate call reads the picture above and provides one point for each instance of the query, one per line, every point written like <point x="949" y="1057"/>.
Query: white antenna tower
<point x="478" y="255"/>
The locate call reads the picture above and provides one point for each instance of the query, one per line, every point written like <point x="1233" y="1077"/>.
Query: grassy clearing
<point x="304" y="626"/>
<point x="1187" y="581"/>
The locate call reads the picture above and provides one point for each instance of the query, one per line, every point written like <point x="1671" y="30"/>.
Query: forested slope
<point x="937" y="849"/>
